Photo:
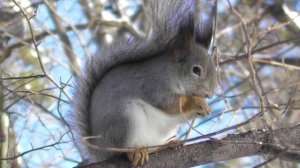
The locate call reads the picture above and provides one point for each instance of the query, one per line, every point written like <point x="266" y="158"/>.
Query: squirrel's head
<point x="190" y="50"/>
<point x="196" y="71"/>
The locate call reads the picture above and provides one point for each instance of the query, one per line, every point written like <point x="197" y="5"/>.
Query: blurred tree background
<point x="43" y="44"/>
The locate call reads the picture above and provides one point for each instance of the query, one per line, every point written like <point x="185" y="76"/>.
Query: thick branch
<point x="256" y="142"/>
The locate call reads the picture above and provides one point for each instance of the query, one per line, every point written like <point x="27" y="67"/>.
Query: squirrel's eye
<point x="197" y="70"/>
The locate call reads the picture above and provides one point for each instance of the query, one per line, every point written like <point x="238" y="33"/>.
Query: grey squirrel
<point x="138" y="91"/>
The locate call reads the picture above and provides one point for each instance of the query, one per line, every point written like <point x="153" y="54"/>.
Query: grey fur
<point x="140" y="68"/>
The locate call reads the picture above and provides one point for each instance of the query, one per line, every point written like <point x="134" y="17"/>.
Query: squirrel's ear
<point x="204" y="16"/>
<point x="184" y="40"/>
<point x="197" y="28"/>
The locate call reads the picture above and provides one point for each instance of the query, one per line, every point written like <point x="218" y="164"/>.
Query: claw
<point x="139" y="157"/>
<point x="204" y="112"/>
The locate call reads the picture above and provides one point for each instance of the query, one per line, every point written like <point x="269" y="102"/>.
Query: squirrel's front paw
<point x="138" y="157"/>
<point x="204" y="108"/>
<point x="195" y="104"/>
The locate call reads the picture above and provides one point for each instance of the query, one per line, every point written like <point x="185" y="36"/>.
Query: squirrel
<point x="138" y="91"/>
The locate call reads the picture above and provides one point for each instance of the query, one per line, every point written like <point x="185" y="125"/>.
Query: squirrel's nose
<point x="208" y="95"/>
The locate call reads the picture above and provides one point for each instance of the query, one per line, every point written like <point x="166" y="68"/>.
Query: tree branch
<point x="62" y="34"/>
<point x="255" y="142"/>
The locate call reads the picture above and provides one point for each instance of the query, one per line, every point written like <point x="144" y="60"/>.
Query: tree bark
<point x="254" y="142"/>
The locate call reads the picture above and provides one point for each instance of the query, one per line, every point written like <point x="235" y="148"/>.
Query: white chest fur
<point x="150" y="125"/>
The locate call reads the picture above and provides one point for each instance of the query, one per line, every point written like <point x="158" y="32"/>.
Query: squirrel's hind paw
<point x="138" y="157"/>
<point x="175" y="144"/>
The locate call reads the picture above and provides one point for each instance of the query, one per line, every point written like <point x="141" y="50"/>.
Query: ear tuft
<point x="204" y="22"/>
